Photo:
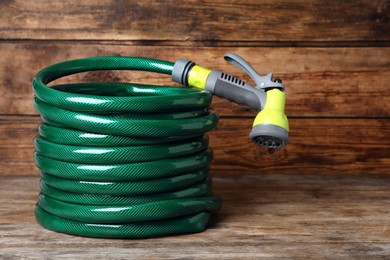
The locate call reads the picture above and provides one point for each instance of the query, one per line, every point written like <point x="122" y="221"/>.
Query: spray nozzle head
<point x="270" y="128"/>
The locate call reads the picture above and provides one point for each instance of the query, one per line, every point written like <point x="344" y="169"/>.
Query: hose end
<point x="181" y="70"/>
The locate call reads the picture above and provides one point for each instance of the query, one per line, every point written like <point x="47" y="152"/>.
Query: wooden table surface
<point x="294" y="216"/>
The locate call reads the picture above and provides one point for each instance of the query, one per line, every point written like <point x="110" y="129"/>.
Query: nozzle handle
<point x="233" y="89"/>
<point x="218" y="83"/>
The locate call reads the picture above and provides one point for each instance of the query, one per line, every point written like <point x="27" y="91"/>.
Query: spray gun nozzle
<point x="270" y="128"/>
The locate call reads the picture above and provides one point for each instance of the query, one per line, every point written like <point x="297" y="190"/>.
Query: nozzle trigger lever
<point x="262" y="82"/>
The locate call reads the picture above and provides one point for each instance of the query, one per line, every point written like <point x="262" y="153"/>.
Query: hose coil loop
<point x="122" y="160"/>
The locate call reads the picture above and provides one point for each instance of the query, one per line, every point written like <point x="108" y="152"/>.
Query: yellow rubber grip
<point x="273" y="112"/>
<point x="197" y="77"/>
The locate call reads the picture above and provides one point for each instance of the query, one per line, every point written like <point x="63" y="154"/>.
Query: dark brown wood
<point x="253" y="20"/>
<point x="316" y="145"/>
<point x="330" y="146"/>
<point x="325" y="195"/>
<point x="274" y="216"/>
<point x="320" y="82"/>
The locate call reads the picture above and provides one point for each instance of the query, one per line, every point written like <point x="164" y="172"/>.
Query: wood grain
<point x="330" y="146"/>
<point x="189" y="20"/>
<point x="294" y="216"/>
<point x="325" y="195"/>
<point x="320" y="82"/>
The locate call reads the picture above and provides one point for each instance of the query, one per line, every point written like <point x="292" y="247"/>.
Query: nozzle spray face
<point x="270" y="136"/>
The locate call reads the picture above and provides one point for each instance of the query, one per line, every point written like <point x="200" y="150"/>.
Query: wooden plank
<point x="272" y="216"/>
<point x="320" y="82"/>
<point x="325" y="146"/>
<point x="189" y="20"/>
<point x="316" y="145"/>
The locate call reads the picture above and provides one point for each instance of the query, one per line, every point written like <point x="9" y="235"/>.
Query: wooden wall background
<point x="333" y="57"/>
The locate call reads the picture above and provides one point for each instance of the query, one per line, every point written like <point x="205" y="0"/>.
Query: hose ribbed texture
<point x="122" y="160"/>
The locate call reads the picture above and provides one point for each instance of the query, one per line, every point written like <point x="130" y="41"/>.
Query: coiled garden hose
<point x="125" y="160"/>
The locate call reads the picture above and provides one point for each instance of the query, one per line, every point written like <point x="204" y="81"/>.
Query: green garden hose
<point x="125" y="160"/>
<point x="122" y="160"/>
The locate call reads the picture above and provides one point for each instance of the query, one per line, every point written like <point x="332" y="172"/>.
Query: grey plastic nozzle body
<point x="233" y="89"/>
<point x="222" y="85"/>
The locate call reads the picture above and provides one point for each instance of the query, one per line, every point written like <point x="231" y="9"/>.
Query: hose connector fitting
<point x="180" y="71"/>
